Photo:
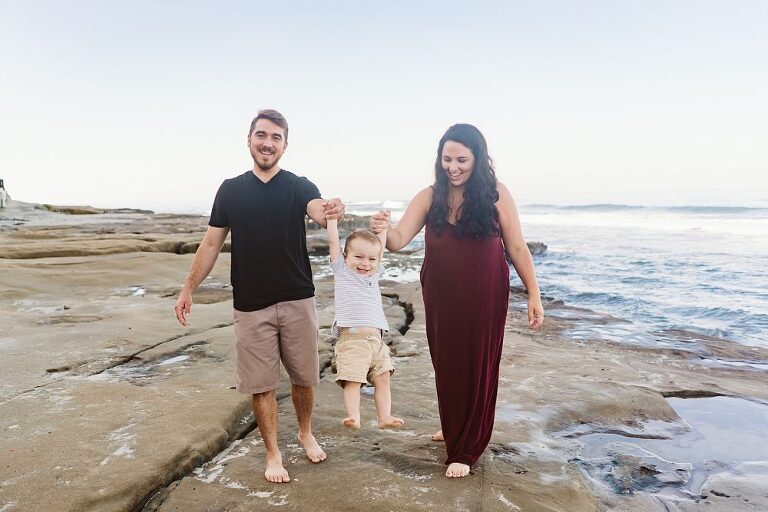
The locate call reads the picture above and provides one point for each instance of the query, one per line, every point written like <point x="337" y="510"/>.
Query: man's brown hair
<point x="272" y="115"/>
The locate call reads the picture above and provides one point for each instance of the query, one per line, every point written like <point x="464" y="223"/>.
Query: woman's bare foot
<point x="314" y="452"/>
<point x="390" y="422"/>
<point x="438" y="436"/>
<point x="457" y="470"/>
<point x="351" y="422"/>
<point x="275" y="472"/>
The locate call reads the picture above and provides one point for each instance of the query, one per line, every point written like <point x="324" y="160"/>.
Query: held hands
<point x="333" y="209"/>
<point x="535" y="312"/>
<point x="381" y="221"/>
<point x="183" y="307"/>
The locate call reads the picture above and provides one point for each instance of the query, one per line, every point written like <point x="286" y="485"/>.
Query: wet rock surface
<point x="107" y="404"/>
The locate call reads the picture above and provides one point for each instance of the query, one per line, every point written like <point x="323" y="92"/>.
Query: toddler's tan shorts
<point x="361" y="357"/>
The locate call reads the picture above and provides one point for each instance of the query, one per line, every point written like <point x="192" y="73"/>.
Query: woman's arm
<point x="410" y="224"/>
<point x="517" y="249"/>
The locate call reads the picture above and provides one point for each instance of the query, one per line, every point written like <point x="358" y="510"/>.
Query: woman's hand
<point x="381" y="221"/>
<point x="535" y="312"/>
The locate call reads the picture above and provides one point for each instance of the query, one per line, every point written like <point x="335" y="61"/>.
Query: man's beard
<point x="265" y="166"/>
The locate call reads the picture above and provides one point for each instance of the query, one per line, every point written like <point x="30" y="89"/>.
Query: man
<point x="274" y="301"/>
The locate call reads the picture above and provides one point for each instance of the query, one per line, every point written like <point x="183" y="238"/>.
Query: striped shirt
<point x="358" y="298"/>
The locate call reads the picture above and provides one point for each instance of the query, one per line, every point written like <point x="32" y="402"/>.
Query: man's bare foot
<point x="314" y="452"/>
<point x="390" y="422"/>
<point x="457" y="470"/>
<point x="438" y="436"/>
<point x="275" y="472"/>
<point x="351" y="422"/>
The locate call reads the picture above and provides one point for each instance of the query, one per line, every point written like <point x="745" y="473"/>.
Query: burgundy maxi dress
<point x="465" y="285"/>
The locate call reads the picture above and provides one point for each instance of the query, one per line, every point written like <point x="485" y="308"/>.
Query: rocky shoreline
<point x="107" y="404"/>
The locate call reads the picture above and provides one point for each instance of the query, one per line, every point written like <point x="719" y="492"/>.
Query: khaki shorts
<point x="360" y="358"/>
<point x="285" y="331"/>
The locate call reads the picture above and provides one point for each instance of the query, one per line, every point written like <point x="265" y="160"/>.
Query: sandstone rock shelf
<point x="104" y="399"/>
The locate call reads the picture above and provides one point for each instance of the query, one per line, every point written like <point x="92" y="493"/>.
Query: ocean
<point x="659" y="270"/>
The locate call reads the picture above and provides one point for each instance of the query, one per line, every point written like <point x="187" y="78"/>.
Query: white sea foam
<point x="120" y="440"/>
<point x="508" y="503"/>
<point x="209" y="472"/>
<point x="173" y="360"/>
<point x="669" y="222"/>
<point x="261" y="494"/>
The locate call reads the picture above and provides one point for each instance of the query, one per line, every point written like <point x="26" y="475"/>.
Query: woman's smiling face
<point x="458" y="162"/>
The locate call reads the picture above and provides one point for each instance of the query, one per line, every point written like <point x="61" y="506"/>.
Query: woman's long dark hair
<point x="477" y="217"/>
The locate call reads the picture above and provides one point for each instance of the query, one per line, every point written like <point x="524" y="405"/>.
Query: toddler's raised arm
<point x="334" y="246"/>
<point x="387" y="216"/>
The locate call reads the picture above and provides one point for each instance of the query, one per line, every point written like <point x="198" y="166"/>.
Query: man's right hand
<point x="333" y="209"/>
<point x="183" y="307"/>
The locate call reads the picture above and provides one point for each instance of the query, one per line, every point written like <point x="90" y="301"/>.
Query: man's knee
<point x="263" y="396"/>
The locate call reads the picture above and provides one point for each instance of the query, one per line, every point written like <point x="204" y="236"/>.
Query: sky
<point x="147" y="104"/>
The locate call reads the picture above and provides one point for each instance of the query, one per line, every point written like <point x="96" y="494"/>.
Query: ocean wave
<point x="719" y="312"/>
<point x="584" y="207"/>
<point x="755" y="226"/>
<point x="601" y="298"/>
<point x="610" y="207"/>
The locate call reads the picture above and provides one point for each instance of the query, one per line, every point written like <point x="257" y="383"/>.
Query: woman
<point x="471" y="219"/>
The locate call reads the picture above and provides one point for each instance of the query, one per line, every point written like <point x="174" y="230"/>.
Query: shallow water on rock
<point x="726" y="435"/>
<point x="142" y="373"/>
<point x="734" y="364"/>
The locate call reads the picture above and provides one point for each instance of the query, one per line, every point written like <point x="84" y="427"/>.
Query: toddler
<point x="361" y="355"/>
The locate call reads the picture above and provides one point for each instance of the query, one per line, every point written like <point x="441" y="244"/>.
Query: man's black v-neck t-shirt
<point x="269" y="243"/>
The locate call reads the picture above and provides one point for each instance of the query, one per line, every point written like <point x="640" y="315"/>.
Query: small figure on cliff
<point x="3" y="194"/>
<point x="471" y="221"/>
<point x="274" y="297"/>
<point x="361" y="355"/>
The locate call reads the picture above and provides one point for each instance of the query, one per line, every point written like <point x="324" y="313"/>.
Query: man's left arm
<point x="320" y="210"/>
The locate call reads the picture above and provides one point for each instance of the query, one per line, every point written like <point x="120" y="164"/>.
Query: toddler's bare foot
<point x="314" y="452"/>
<point x="351" y="422"/>
<point x="390" y="422"/>
<point x="275" y="472"/>
<point x="438" y="436"/>
<point x="457" y="470"/>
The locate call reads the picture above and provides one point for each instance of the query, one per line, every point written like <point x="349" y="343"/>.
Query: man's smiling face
<point x="267" y="144"/>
